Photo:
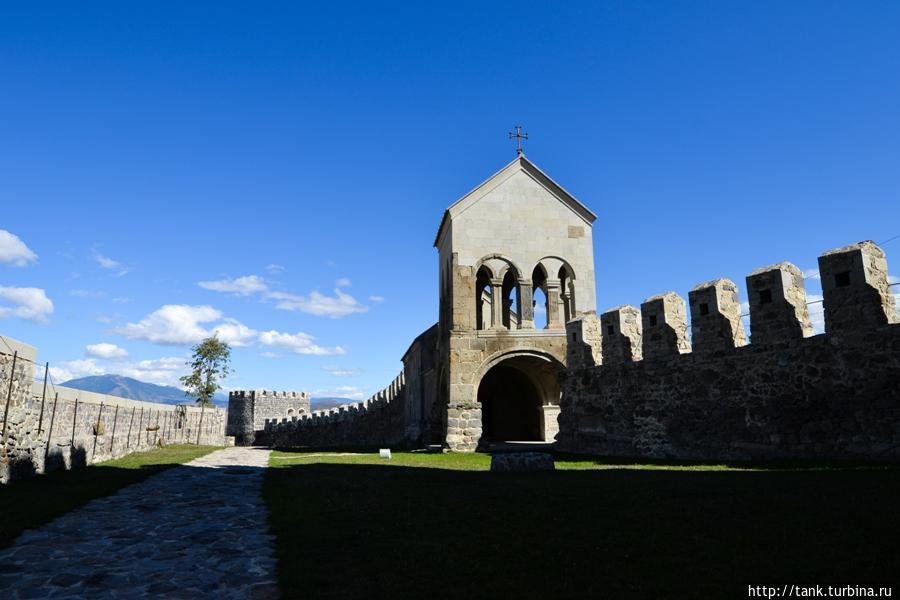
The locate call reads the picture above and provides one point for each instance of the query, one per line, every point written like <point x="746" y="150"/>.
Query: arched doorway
<point x="516" y="395"/>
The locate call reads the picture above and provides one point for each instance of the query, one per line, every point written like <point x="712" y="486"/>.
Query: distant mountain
<point x="126" y="387"/>
<point x="324" y="402"/>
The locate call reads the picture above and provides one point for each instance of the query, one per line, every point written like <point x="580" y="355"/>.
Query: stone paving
<point x="193" y="531"/>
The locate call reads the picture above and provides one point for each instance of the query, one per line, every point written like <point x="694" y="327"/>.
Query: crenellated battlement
<point x="281" y="395"/>
<point x="857" y="299"/>
<point x="788" y="394"/>
<point x="249" y="410"/>
<point x="369" y="421"/>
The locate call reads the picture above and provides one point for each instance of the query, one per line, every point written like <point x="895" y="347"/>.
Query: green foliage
<point x="210" y="363"/>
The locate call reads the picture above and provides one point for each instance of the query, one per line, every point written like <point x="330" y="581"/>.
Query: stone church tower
<point x="516" y="263"/>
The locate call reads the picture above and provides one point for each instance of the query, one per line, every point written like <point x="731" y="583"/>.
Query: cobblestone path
<point x="193" y="531"/>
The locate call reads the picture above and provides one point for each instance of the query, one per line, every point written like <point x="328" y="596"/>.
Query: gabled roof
<point x="520" y="163"/>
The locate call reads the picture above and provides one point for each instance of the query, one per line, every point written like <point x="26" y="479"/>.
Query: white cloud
<point x="342" y="371"/>
<point x="299" y="343"/>
<point x="89" y="294"/>
<point x="273" y="268"/>
<point x="110" y="265"/>
<point x="316" y="303"/>
<point x="173" y="324"/>
<point x="342" y="391"/>
<point x="268" y="354"/>
<point x="105" y="350"/>
<point x="234" y="333"/>
<point x="14" y="251"/>
<point x="161" y="371"/>
<point x="816" y="312"/>
<point x="811" y="274"/>
<point x="242" y="286"/>
<point x="74" y="369"/>
<point x="376" y="298"/>
<point x="27" y="303"/>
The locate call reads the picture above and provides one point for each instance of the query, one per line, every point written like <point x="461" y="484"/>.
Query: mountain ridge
<point x="133" y="389"/>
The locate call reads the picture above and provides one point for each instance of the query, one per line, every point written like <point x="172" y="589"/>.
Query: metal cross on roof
<point x="518" y="136"/>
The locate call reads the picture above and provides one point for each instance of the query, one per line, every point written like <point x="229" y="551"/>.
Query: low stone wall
<point x="379" y="421"/>
<point x="71" y="428"/>
<point x="637" y="386"/>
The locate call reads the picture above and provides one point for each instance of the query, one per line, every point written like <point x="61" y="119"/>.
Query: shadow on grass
<point x="765" y="465"/>
<point x="35" y="501"/>
<point x="617" y="461"/>
<point x="367" y="531"/>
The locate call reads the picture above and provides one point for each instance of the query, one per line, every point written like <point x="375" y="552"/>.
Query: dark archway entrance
<point x="511" y="406"/>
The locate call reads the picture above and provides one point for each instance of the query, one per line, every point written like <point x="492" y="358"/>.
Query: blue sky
<point x="277" y="171"/>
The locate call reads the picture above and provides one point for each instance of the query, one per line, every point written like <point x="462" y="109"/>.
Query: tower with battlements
<point x="248" y="411"/>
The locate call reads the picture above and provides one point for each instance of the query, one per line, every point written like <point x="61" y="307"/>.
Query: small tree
<point x="211" y="362"/>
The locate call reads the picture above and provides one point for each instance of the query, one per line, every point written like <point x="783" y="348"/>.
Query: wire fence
<point x="88" y="429"/>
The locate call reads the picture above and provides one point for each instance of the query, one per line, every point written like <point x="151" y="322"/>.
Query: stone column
<point x="553" y="318"/>
<point x="526" y="301"/>
<point x="497" y="304"/>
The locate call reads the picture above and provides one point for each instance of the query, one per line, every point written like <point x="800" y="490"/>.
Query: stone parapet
<point x="379" y="420"/>
<point x="584" y="341"/>
<point x="788" y="394"/>
<point x="664" y="320"/>
<point x="622" y="333"/>
<point x="777" y="299"/>
<point x="856" y="290"/>
<point x="716" y="316"/>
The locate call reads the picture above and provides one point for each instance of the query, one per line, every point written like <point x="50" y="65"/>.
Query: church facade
<point x="515" y="264"/>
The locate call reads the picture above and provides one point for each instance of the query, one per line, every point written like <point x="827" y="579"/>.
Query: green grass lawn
<point x="443" y="526"/>
<point x="33" y="502"/>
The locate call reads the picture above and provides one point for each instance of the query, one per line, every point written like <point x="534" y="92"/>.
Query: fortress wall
<point x="786" y="395"/>
<point x="379" y="421"/>
<point x="71" y="428"/>
<point x="249" y="410"/>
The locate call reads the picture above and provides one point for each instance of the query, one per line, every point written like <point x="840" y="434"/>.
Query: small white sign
<point x="384" y="453"/>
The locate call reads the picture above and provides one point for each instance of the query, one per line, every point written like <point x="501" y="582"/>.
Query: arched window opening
<point x="483" y="299"/>
<point x="566" y="295"/>
<point x="511" y="314"/>
<point x="539" y="295"/>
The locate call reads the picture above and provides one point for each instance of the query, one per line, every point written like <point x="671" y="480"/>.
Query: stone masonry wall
<point x="379" y="421"/>
<point x="471" y="354"/>
<point x="787" y="395"/>
<point x="249" y="410"/>
<point x="71" y="428"/>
